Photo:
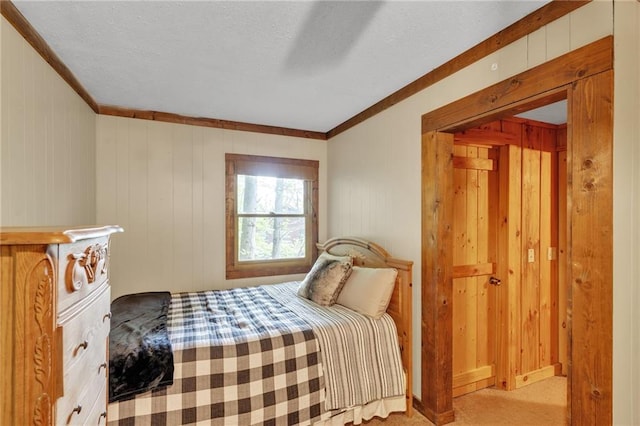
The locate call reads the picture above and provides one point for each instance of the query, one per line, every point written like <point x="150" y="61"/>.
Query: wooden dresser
<point x="54" y="325"/>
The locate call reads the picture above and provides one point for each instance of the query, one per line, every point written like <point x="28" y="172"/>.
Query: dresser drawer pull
<point x="103" y="365"/>
<point x="82" y="345"/>
<point x="106" y="316"/>
<point x="75" y="410"/>
<point x="103" y="414"/>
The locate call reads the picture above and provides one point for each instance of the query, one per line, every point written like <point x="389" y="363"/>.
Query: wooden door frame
<point x="585" y="78"/>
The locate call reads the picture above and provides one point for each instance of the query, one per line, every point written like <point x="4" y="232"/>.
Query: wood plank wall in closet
<point x="527" y="342"/>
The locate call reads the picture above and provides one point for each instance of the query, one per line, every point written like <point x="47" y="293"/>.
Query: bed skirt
<point x="378" y="408"/>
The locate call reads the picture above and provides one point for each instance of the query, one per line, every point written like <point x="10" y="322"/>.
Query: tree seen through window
<point x="271" y="218"/>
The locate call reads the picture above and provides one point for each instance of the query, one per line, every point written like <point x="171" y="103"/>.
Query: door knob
<point x="494" y="281"/>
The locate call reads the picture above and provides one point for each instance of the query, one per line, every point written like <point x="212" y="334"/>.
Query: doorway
<point x="516" y="166"/>
<point x="585" y="78"/>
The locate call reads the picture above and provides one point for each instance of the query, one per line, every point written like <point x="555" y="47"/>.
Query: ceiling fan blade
<point x="330" y="31"/>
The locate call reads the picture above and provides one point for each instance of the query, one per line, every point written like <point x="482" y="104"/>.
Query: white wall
<point x="165" y="185"/>
<point x="374" y="168"/>
<point x="626" y="211"/>
<point x="47" y="152"/>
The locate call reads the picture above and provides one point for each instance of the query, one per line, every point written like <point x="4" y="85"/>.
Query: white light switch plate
<point x="531" y="255"/>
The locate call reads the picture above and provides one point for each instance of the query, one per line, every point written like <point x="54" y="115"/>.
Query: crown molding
<point x="208" y="122"/>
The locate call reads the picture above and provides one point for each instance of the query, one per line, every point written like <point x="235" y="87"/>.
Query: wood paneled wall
<point x="539" y="286"/>
<point x="164" y="184"/>
<point x="48" y="142"/>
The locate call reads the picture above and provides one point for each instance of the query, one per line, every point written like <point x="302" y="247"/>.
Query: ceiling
<point x="555" y="113"/>
<point x="298" y="64"/>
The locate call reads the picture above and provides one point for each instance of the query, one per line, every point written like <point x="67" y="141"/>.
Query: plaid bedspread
<point x="241" y="358"/>
<point x="360" y="356"/>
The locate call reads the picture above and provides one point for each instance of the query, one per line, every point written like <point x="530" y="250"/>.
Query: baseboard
<point x="538" y="375"/>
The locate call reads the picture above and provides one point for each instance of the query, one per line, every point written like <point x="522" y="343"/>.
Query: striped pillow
<point x="326" y="278"/>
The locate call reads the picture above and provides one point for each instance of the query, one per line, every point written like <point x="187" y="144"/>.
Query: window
<point x="271" y="215"/>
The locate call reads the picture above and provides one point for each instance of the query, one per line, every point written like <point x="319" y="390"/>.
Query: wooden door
<point x="475" y="215"/>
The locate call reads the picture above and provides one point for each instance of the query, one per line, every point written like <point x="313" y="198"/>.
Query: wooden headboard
<point x="371" y="255"/>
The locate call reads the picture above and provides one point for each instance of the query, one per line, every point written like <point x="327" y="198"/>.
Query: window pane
<point x="265" y="238"/>
<point x="265" y="195"/>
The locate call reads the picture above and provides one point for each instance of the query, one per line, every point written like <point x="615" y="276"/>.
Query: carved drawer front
<point x="82" y="268"/>
<point x="84" y="345"/>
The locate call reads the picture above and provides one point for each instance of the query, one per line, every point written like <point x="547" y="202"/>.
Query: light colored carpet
<point x="540" y="404"/>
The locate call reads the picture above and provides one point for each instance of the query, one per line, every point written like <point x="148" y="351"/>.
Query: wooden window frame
<point x="291" y="168"/>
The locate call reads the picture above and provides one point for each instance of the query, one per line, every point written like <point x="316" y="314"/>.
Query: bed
<point x="274" y="360"/>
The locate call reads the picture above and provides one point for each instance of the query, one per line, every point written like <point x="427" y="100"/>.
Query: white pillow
<point x="326" y="278"/>
<point x="368" y="290"/>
